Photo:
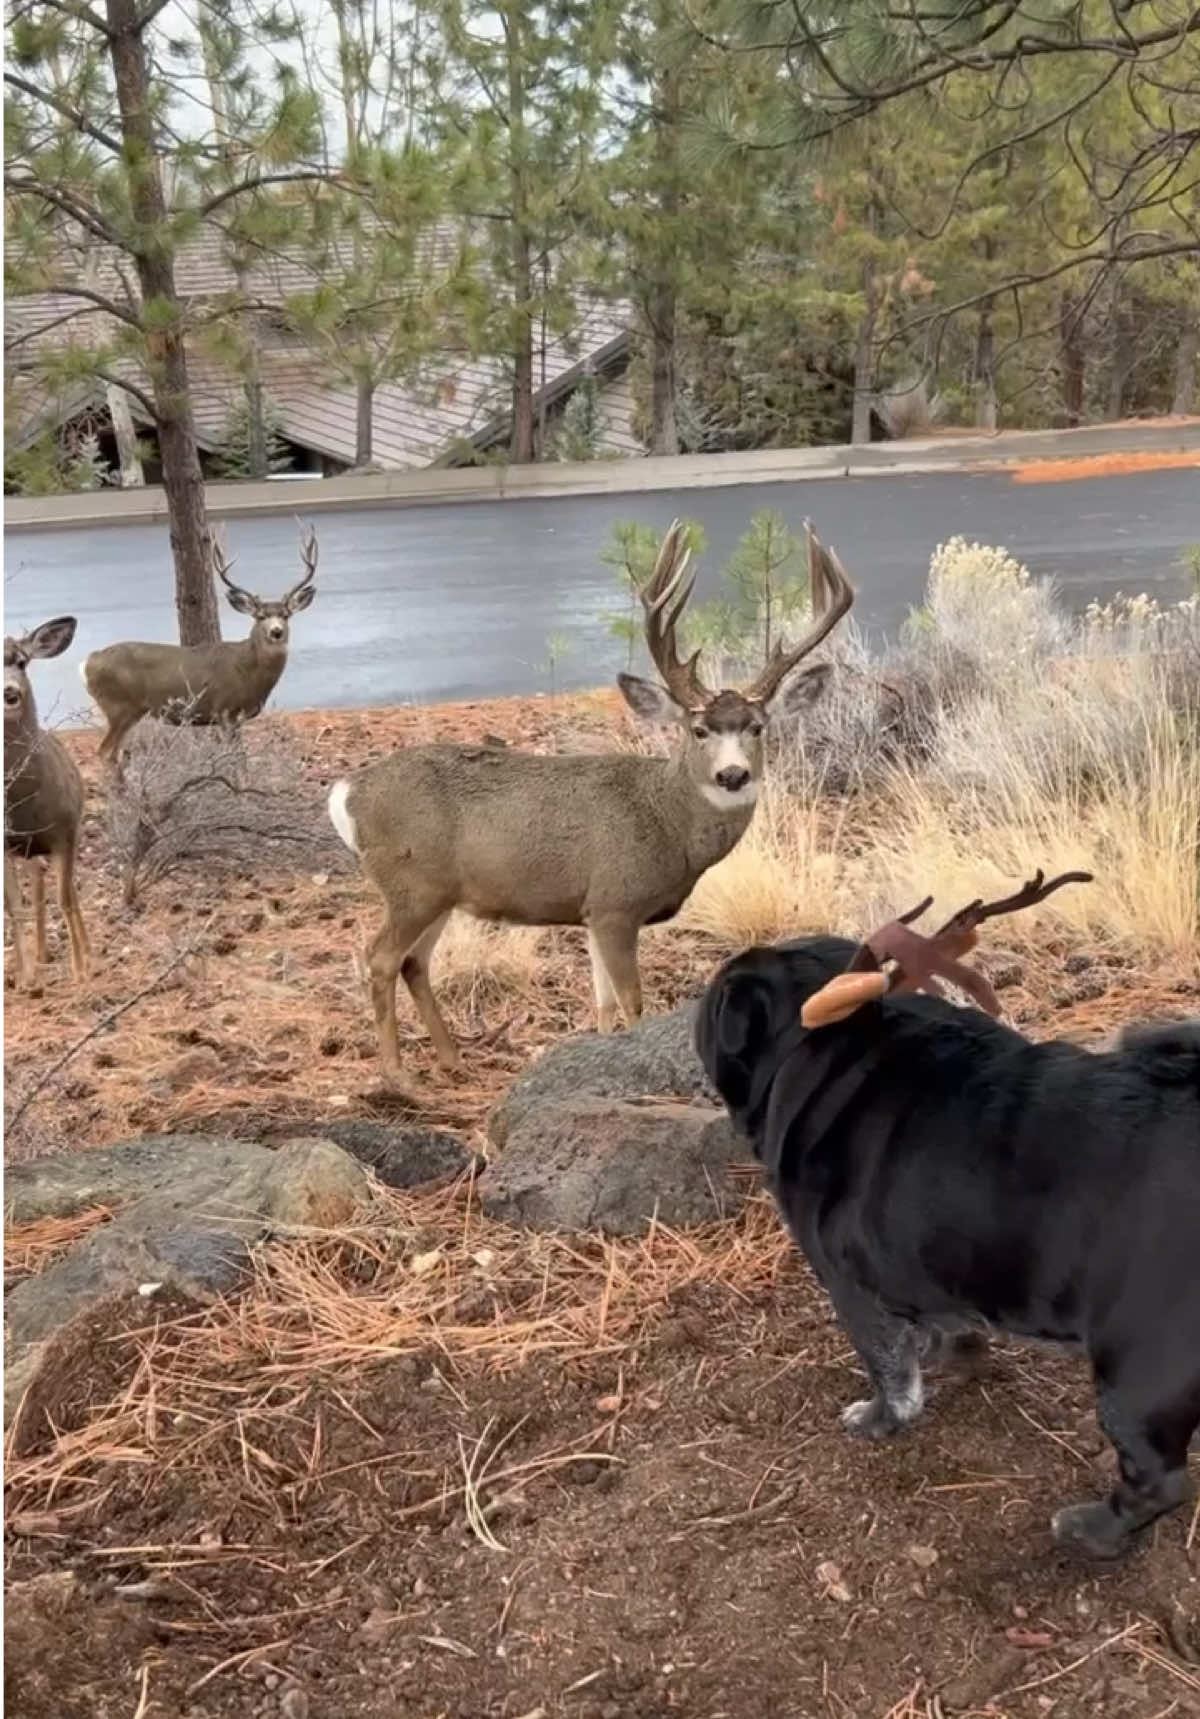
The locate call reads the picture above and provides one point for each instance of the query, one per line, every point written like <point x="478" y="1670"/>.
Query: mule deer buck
<point x="610" y="842"/>
<point x="43" y="800"/>
<point x="199" y="684"/>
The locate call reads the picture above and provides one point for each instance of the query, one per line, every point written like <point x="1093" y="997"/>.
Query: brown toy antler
<point x="922" y="963"/>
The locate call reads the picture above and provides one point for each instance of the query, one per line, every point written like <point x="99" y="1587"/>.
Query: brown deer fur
<point x="43" y="801"/>
<point x="610" y="842"/>
<point x="198" y="684"/>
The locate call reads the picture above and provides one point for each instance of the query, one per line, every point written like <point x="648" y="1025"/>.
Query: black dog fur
<point x="939" y="1171"/>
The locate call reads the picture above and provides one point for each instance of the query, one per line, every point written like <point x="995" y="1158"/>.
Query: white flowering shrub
<point x="983" y="603"/>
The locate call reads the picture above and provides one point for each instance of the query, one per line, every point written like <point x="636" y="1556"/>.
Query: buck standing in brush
<point x="611" y="842"/>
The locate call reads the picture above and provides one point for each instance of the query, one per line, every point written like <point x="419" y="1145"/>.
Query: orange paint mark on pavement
<point x="1102" y="465"/>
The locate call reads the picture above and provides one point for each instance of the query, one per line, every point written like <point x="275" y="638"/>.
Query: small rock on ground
<point x="402" y="1157"/>
<point x="614" y="1166"/>
<point x="654" y="1059"/>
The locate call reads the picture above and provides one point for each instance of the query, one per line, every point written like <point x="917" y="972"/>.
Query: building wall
<point x="615" y="400"/>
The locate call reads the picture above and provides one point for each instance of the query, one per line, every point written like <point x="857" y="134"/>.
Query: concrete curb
<point x="611" y="477"/>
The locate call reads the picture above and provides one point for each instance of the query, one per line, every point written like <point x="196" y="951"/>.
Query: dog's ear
<point x="734" y="1020"/>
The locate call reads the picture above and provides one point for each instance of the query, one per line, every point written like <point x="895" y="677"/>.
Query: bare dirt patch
<point x="635" y="1502"/>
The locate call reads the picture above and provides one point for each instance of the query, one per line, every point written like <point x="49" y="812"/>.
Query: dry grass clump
<point x="219" y="799"/>
<point x="1000" y="735"/>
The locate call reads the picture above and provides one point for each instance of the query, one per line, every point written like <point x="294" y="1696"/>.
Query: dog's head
<point x="751" y="1006"/>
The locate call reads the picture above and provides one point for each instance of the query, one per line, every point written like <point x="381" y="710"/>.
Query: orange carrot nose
<point x="841" y="997"/>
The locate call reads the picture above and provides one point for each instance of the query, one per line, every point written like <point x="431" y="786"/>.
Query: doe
<point x="611" y="842"/>
<point x="43" y="800"/>
<point x="199" y="685"/>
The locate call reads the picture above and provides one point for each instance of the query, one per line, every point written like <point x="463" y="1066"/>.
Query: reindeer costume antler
<point x="895" y="958"/>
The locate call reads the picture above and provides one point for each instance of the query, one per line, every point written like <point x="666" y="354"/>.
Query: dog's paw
<point x="870" y="1418"/>
<point x="1090" y="1530"/>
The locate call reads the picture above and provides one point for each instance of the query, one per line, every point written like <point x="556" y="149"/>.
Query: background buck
<point x="199" y="684"/>
<point x="611" y="842"/>
<point x="43" y="800"/>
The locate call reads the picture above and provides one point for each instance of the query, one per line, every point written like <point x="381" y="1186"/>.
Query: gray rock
<point x="612" y="1165"/>
<point x="654" y="1059"/>
<point x="191" y="1234"/>
<point x="64" y="1183"/>
<point x="402" y="1157"/>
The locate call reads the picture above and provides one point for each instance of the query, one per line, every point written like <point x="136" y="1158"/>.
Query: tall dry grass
<point x="997" y="736"/>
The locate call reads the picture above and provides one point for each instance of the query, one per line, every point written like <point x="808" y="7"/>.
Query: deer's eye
<point x="699" y="730"/>
<point x="756" y="729"/>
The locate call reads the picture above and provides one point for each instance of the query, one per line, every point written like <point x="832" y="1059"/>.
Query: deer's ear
<point x="242" y="601"/>
<point x="652" y="703"/>
<point x="52" y="637"/>
<point x="301" y="599"/>
<point x="800" y="691"/>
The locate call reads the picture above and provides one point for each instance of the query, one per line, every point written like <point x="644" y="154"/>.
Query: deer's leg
<point x="68" y="900"/>
<point x="414" y="970"/>
<point x="607" y="1008"/>
<point x="615" y="941"/>
<point x="403" y="927"/>
<point x="109" y="750"/>
<point x="14" y="908"/>
<point x="38" y="877"/>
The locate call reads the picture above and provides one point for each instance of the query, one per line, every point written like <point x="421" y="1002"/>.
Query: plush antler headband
<point x="896" y="959"/>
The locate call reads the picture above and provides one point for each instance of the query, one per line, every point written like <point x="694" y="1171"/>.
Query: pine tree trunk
<point x="664" y="429"/>
<point x="864" y="360"/>
<point x="1071" y="358"/>
<point x="520" y="450"/>
<point x="1184" y="402"/>
<point x="985" y="373"/>
<point x="662" y="306"/>
<point x="132" y="475"/>
<point x="183" y="481"/>
<point x="520" y="447"/>
<point x="1120" y="358"/>
<point x="364" y="421"/>
<point x="257" y="463"/>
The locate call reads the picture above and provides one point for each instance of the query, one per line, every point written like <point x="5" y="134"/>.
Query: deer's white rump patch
<point x="339" y="815"/>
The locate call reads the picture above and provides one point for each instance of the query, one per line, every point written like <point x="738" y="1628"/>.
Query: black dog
<point x="940" y="1170"/>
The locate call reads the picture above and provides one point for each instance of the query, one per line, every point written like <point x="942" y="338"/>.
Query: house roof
<point x="414" y="422"/>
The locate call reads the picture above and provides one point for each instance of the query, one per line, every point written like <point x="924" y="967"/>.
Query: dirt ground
<point x="432" y="1469"/>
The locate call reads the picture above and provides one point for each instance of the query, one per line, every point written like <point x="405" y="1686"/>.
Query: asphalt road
<point x="436" y="603"/>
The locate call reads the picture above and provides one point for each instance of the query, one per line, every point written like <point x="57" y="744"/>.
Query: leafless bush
<point x="219" y="800"/>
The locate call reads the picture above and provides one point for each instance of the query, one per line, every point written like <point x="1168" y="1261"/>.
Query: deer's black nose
<point x="11" y="697"/>
<point x="735" y="776"/>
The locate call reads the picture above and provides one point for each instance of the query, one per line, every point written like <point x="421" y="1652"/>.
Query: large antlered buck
<point x="611" y="842"/>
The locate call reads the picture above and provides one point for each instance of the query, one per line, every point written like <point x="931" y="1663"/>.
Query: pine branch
<point x="77" y="119"/>
<point x="309" y="175"/>
<point x="81" y="14"/>
<point x="89" y="219"/>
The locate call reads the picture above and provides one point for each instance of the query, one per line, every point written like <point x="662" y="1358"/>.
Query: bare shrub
<point x="217" y="800"/>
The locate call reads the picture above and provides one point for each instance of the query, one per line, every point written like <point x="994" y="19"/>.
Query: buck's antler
<point x="921" y="963"/>
<point x="221" y="565"/>
<point x="831" y="594"/>
<point x="308" y="554"/>
<point x="664" y="598"/>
